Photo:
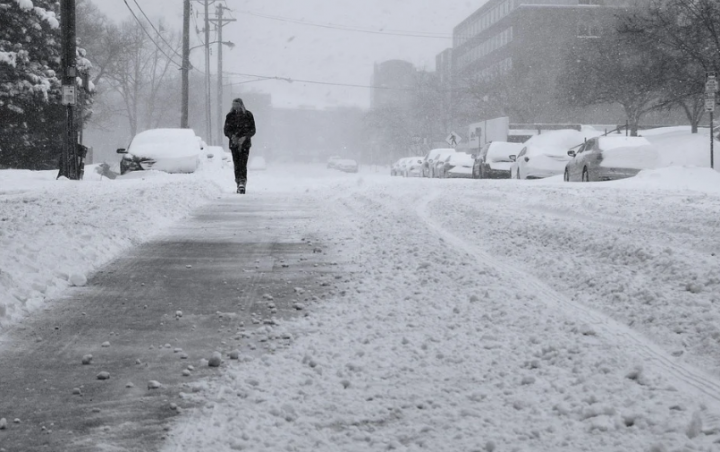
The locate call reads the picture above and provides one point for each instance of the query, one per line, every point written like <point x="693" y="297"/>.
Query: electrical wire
<point x="413" y="34"/>
<point x="315" y="82"/>
<point x="150" y="37"/>
<point x="197" y="30"/>
<point x="156" y="30"/>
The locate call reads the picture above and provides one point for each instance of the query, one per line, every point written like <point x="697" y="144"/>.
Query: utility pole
<point x="206" y="44"/>
<point x="220" y="22"/>
<point x="208" y="119"/>
<point x="185" y="66"/>
<point x="69" y="165"/>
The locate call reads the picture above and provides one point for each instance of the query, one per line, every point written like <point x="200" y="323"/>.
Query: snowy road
<point x="492" y="315"/>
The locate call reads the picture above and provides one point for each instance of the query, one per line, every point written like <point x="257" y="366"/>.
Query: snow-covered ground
<point x="493" y="315"/>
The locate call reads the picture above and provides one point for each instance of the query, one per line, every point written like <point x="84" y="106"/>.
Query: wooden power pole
<point x="208" y="107"/>
<point x="185" y="66"/>
<point x="220" y="22"/>
<point x="69" y="161"/>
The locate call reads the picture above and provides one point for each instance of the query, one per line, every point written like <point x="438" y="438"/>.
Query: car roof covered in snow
<point x="165" y="143"/>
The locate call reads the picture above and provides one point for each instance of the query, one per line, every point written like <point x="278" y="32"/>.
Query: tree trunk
<point x="694" y="109"/>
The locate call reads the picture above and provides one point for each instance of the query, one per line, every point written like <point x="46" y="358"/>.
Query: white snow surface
<point x="9" y="58"/>
<point x="477" y="315"/>
<point x="24" y="4"/>
<point x="42" y="13"/>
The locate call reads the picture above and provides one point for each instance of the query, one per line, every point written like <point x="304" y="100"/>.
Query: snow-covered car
<point x="457" y="165"/>
<point x="346" y="165"/>
<point x="257" y="163"/>
<point x="609" y="158"/>
<point x="332" y="161"/>
<point x="493" y="161"/>
<point x="412" y="167"/>
<point x="396" y="168"/>
<point x="431" y="159"/>
<point x="545" y="155"/>
<point x="169" y="150"/>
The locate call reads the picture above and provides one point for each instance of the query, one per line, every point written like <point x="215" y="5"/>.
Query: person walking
<point x="239" y="128"/>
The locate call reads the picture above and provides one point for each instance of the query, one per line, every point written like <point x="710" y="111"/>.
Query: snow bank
<point x="55" y="232"/>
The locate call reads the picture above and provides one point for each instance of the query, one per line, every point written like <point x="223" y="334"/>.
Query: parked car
<point x="215" y="157"/>
<point x="332" y="160"/>
<point x="546" y="154"/>
<point x="347" y="165"/>
<point x="493" y="161"/>
<point x="610" y="158"/>
<point x="395" y="167"/>
<point x="431" y="159"/>
<point x="412" y="167"/>
<point x="457" y="165"/>
<point x="169" y="150"/>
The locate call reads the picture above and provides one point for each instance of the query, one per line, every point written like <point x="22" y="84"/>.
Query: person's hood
<point x="240" y="104"/>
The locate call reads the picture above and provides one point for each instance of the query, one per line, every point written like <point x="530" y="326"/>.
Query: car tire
<point x="585" y="175"/>
<point x="566" y="176"/>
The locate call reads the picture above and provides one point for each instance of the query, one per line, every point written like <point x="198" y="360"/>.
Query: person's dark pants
<point x="240" y="160"/>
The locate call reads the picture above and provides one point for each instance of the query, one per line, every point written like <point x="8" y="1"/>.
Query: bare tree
<point x="617" y="68"/>
<point x="404" y="128"/>
<point x="688" y="32"/>
<point x="429" y="122"/>
<point x="389" y="129"/>
<point x="137" y="65"/>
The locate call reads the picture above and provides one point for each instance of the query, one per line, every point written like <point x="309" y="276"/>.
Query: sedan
<point x="412" y="167"/>
<point x="169" y="150"/>
<point x="457" y="165"/>
<point x="431" y="159"/>
<point x="610" y="158"/>
<point x="395" y="168"/>
<point x="535" y="162"/>
<point x="494" y="160"/>
<point x="346" y="165"/>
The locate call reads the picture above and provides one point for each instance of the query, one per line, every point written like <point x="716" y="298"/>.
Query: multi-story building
<point x="444" y="66"/>
<point x="525" y="42"/>
<point x="394" y="81"/>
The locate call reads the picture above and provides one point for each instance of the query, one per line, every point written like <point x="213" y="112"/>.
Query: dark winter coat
<point x="240" y="124"/>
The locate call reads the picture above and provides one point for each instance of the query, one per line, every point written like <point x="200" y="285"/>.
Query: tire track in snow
<point x="691" y="378"/>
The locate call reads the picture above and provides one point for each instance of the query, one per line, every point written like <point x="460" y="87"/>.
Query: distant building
<point x="394" y="81"/>
<point x="528" y="39"/>
<point x="444" y="66"/>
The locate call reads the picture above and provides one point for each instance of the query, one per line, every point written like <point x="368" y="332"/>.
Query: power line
<point x="412" y="34"/>
<point x="156" y="30"/>
<point x="148" y="35"/>
<point x="197" y="30"/>
<point x="315" y="82"/>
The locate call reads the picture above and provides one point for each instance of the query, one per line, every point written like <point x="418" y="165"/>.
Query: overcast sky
<point x="287" y="46"/>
